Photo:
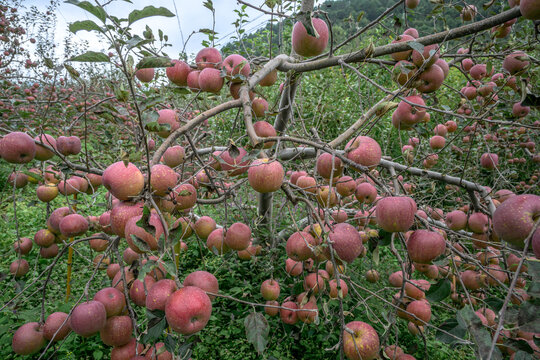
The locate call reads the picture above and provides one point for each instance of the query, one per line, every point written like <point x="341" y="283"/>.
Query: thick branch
<point x="447" y="35"/>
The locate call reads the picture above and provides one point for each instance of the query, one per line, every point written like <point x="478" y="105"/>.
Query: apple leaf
<point x="480" y="335"/>
<point x="257" y="330"/>
<point x="91" y="56"/>
<point x="233" y="151"/>
<point x="451" y="326"/>
<point x="140" y="243"/>
<point x="375" y="256"/>
<point x="516" y="344"/>
<point x="494" y="303"/>
<point x="154" y="126"/>
<point x="416" y="46"/>
<point x="146" y="268"/>
<point x="385" y="238"/>
<point x="147" y="12"/>
<point x="156" y="325"/>
<point x="531" y="100"/>
<point x="94" y="10"/>
<point x="529" y="317"/>
<point x="33" y="175"/>
<point x="533" y="269"/>
<point x="154" y="62"/>
<point x="522" y="355"/>
<point x="87" y="25"/>
<point x="136" y="41"/>
<point x="440" y="291"/>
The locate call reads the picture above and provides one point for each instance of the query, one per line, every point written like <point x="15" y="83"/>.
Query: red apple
<point x="17" y="148"/>
<point x="238" y="236"/>
<point x="73" y="225"/>
<point x="424" y="246"/>
<point x="159" y="294"/>
<point x="270" y="289"/>
<point x="112" y="299"/>
<point x="236" y="67"/>
<point x="188" y="310"/>
<point x="178" y="73"/>
<point x="298" y="246"/>
<point x="364" y="150"/>
<point x="174" y="156"/>
<point x="514" y="219"/>
<point x="28" y="339"/>
<point x="56" y="323"/>
<point x="265" y="176"/>
<point x="395" y="213"/>
<point x="363" y="344"/>
<point x="123" y="182"/>
<point x="88" y="318"/>
<point x="145" y="75"/>
<point x="307" y="45"/>
<point x="203" y="280"/>
<point x="68" y="145"/>
<point x="346" y="241"/>
<point x="208" y="58"/>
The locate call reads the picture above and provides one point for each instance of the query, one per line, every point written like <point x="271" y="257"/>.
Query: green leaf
<point x="87" y="25"/>
<point x="518" y="344"/>
<point x="451" y="326"/>
<point x="136" y="41"/>
<point x="522" y="355"/>
<point x="440" y="291"/>
<point x="416" y="46"/>
<point x="494" y="303"/>
<point x="480" y="335"/>
<point x="154" y="62"/>
<point x="529" y="317"/>
<point x="170" y="267"/>
<point x="48" y="63"/>
<point x="72" y="72"/>
<point x="147" y="12"/>
<point x="385" y="237"/>
<point x="375" y="256"/>
<point x="154" y="126"/>
<point x="91" y="56"/>
<point x="533" y="266"/>
<point x="94" y="10"/>
<point x="156" y="326"/>
<point x="308" y="24"/>
<point x="209" y="5"/>
<point x="257" y="331"/>
<point x="32" y="175"/>
<point x="531" y="100"/>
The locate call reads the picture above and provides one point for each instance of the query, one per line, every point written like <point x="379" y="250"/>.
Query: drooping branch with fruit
<point x="430" y="172"/>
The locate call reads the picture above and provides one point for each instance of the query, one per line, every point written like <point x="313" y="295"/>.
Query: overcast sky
<point x="192" y="16"/>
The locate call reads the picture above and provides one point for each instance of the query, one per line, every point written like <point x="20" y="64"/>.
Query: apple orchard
<point x="358" y="186"/>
